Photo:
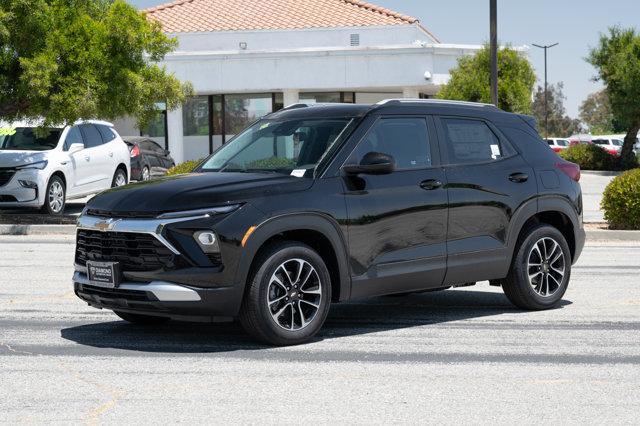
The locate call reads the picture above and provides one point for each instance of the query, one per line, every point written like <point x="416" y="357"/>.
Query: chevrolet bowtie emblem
<point x="106" y="225"/>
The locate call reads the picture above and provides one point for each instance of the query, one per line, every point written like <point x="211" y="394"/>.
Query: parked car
<point x="580" y="139"/>
<point x="319" y="204"/>
<point x="148" y="159"/>
<point x="558" y="144"/>
<point x="45" y="167"/>
<point x="612" y="145"/>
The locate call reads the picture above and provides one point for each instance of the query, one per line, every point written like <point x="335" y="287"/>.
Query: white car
<point x="45" y="167"/>
<point x="558" y="144"/>
<point x="612" y="145"/>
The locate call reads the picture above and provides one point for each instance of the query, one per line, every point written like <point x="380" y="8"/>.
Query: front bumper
<point x="13" y="194"/>
<point x="159" y="298"/>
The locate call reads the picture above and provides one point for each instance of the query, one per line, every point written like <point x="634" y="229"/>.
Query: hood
<point x="194" y="191"/>
<point x="10" y="158"/>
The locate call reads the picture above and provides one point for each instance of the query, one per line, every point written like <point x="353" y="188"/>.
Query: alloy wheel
<point x="546" y="266"/>
<point x="145" y="174"/>
<point x="56" y="197"/>
<point x="294" y="294"/>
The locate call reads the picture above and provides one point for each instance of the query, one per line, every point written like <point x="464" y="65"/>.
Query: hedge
<point x="621" y="201"/>
<point x="182" y="168"/>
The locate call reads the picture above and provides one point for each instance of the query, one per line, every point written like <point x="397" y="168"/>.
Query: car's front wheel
<point x="55" y="196"/>
<point x="540" y="270"/>
<point x="288" y="295"/>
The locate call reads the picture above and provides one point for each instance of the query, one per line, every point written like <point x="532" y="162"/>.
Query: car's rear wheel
<point x="540" y="270"/>
<point x="55" y="196"/>
<point x="140" y="319"/>
<point x="288" y="295"/>
<point x="146" y="175"/>
<point x="119" y="178"/>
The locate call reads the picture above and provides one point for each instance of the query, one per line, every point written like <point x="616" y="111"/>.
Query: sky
<point x="575" y="24"/>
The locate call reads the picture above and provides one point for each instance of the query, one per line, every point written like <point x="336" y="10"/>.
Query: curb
<point x="37" y="229"/>
<point x="601" y="172"/>
<point x="611" y="235"/>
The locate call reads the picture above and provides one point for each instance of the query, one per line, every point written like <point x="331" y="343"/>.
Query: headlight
<point x="208" y="241"/>
<point x="39" y="165"/>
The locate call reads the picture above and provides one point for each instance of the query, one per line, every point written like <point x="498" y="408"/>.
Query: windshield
<point x="28" y="139"/>
<point x="288" y="147"/>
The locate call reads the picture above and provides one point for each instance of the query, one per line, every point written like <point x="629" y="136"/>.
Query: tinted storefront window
<point x="241" y="110"/>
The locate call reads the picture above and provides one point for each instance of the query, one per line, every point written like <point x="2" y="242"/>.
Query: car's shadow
<point x="346" y="319"/>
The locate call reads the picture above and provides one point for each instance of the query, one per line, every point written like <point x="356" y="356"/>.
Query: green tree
<point x="470" y="80"/>
<point x="69" y="59"/>
<point x="560" y="124"/>
<point x="596" y="113"/>
<point x="617" y="61"/>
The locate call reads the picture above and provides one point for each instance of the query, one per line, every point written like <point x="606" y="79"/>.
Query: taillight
<point x="570" y="169"/>
<point x="135" y="151"/>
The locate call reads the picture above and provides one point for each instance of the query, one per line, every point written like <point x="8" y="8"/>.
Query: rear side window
<point x="107" y="134"/>
<point x="405" y="139"/>
<point x="563" y="142"/>
<point x="550" y="142"/>
<point x="92" y="137"/>
<point x="73" y="136"/>
<point x="472" y="141"/>
<point x="601" y="142"/>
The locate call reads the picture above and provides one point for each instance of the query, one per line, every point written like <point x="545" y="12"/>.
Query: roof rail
<point x="436" y="102"/>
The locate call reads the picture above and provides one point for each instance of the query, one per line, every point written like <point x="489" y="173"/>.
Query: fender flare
<point x="317" y="222"/>
<point x="534" y="206"/>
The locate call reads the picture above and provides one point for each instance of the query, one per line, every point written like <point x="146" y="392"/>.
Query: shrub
<point x="621" y="201"/>
<point x="182" y="168"/>
<point x="589" y="157"/>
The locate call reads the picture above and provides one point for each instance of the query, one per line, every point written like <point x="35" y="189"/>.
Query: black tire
<point x="531" y="295"/>
<point x="50" y="207"/>
<point x="141" y="319"/>
<point x="119" y="174"/>
<point x="256" y="312"/>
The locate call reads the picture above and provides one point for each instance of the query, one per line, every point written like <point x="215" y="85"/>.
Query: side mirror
<point x="373" y="163"/>
<point x="167" y="152"/>
<point x="75" y="147"/>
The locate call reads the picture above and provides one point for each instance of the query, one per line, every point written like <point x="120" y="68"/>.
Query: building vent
<point x="355" y="40"/>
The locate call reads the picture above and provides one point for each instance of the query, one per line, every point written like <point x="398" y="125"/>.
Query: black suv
<point x="318" y="204"/>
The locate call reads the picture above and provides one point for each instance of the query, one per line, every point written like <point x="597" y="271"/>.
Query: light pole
<point x="493" y="29"/>
<point x="546" y="89"/>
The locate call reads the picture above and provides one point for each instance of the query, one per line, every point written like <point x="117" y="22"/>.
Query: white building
<point x="246" y="58"/>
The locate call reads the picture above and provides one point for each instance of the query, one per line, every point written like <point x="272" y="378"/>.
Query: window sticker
<point x="298" y="172"/>
<point x="495" y="151"/>
<point x="264" y="126"/>
<point x="7" y="131"/>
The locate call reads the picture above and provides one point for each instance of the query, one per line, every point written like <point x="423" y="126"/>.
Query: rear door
<point x="487" y="181"/>
<point x="397" y="222"/>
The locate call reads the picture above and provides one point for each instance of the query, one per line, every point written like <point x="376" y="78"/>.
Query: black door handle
<point x="518" y="177"/>
<point x="430" y="184"/>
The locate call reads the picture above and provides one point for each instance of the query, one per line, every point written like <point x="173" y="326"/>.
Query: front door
<point x="397" y="222"/>
<point x="487" y="181"/>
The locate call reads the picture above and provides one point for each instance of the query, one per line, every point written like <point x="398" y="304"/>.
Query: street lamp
<point x="546" y="112"/>
<point x="493" y="30"/>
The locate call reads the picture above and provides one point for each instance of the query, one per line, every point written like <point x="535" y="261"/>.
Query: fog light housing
<point x="28" y="184"/>
<point x="208" y="241"/>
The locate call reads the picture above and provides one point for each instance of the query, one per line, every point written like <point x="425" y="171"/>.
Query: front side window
<point x="289" y="146"/>
<point x="471" y="141"/>
<point x="405" y="139"/>
<point x="73" y="136"/>
<point x="28" y="138"/>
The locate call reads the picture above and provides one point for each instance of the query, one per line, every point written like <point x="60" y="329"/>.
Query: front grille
<point x="121" y="215"/>
<point x="135" y="252"/>
<point x="116" y="293"/>
<point x="5" y="175"/>
<point x="8" y="199"/>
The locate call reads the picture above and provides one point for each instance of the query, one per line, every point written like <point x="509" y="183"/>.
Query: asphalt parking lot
<point x="462" y="355"/>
